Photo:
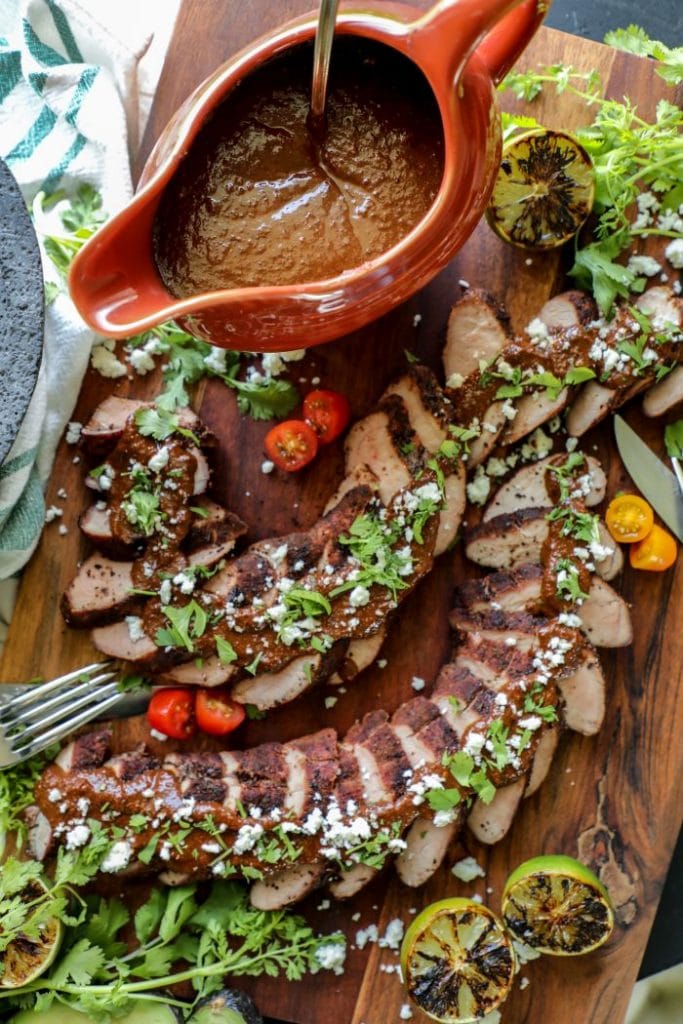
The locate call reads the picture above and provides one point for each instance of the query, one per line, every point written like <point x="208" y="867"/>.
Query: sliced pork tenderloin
<point x="516" y="538"/>
<point x="285" y="887"/>
<point x="426" y="846"/>
<point x="100" y="591"/>
<point x="570" y="309"/>
<point x="478" y="330"/>
<point x="528" y="486"/>
<point x="489" y="823"/>
<point x="664" y="395"/>
<point x="106" y="424"/>
<point x="604" y="615"/>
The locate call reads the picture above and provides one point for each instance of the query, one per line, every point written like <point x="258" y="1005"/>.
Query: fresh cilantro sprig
<point x="80" y="216"/>
<point x="17" y="784"/>
<point x="635" y="39"/>
<point x="187" y="624"/>
<point x="673" y="439"/>
<point x="630" y="155"/>
<point x="221" y="936"/>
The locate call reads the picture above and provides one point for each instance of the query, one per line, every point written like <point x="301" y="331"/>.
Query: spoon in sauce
<point x="324" y="36"/>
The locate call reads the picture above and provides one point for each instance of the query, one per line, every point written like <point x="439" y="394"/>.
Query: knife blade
<point x="650" y="475"/>
<point x="129" y="704"/>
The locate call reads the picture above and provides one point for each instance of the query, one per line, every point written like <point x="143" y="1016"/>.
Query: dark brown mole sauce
<point x="262" y="200"/>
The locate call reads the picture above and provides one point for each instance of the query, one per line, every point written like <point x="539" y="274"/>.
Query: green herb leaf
<point x="673" y="439"/>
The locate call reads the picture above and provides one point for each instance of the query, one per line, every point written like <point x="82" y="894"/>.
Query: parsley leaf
<point x="673" y="439"/>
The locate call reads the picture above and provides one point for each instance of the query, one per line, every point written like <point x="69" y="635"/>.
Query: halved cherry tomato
<point x="328" y="413"/>
<point x="217" y="713"/>
<point x="291" y="445"/>
<point x="629" y="518"/>
<point x="171" y="711"/>
<point x="656" y="552"/>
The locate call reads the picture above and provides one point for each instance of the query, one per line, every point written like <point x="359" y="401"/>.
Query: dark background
<point x="663" y="20"/>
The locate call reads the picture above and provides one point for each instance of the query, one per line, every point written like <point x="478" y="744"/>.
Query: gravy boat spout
<point x="462" y="48"/>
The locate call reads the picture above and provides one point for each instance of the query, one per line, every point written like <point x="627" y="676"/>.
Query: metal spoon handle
<point x="321" y="56"/>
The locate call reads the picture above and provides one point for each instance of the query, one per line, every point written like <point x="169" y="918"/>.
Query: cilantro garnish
<point x="673" y="439"/>
<point x="225" y="651"/>
<point x="630" y="156"/>
<point x="568" y="585"/>
<point x="187" y="624"/>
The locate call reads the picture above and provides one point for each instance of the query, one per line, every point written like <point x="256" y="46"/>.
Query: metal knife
<point x="131" y="703"/>
<point x="660" y="486"/>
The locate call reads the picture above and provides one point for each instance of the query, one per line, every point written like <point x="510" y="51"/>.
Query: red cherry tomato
<point x="171" y="711"/>
<point x="291" y="445"/>
<point x="328" y="413"/>
<point x="217" y="713"/>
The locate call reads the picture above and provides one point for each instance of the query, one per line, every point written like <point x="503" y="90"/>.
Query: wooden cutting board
<point x="615" y="800"/>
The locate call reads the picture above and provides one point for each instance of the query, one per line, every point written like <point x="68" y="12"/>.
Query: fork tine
<point x="81" y="699"/>
<point x="58" y="732"/>
<point x="8" y="717"/>
<point x="43" y="689"/>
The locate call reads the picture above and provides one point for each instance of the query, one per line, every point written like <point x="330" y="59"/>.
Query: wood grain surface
<point x="616" y="799"/>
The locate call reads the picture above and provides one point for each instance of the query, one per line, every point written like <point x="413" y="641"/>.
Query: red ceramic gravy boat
<point x="463" y="47"/>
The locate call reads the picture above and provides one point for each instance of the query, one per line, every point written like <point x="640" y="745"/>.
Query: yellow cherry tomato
<point x="629" y="518"/>
<point x="656" y="552"/>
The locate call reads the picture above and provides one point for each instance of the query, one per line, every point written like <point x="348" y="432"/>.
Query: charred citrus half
<point x="556" y="905"/>
<point x="27" y="958"/>
<point x="458" y="961"/>
<point x="544" y="190"/>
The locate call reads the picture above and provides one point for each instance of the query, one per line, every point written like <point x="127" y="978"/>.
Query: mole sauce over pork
<point x="259" y="200"/>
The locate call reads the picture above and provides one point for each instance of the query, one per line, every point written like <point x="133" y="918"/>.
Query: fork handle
<point x="128" y="704"/>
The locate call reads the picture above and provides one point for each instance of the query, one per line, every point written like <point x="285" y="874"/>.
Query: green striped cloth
<point x="64" y="83"/>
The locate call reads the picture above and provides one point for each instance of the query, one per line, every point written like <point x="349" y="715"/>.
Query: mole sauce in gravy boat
<point x="253" y="234"/>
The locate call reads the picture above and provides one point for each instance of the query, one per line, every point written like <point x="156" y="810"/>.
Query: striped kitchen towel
<point x="68" y="110"/>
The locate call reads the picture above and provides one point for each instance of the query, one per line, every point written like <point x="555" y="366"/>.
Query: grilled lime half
<point x="457" y="960"/>
<point x="26" y="958"/>
<point x="556" y="905"/>
<point x="544" y="190"/>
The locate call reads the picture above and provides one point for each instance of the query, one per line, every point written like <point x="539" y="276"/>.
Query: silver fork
<point x="37" y="716"/>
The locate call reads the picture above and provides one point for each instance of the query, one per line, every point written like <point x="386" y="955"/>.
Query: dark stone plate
<point x="21" y="309"/>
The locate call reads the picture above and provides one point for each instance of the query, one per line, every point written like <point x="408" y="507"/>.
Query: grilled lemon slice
<point x="544" y="190"/>
<point x="556" y="905"/>
<point x="457" y="960"/>
<point x="26" y="958"/>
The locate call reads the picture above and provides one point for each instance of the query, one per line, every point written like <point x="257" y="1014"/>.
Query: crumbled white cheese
<point x="159" y="460"/>
<point x="523" y="983"/>
<point x="247" y="838"/>
<point x="455" y="380"/>
<point x="330" y="702"/>
<point x="331" y="956"/>
<point x="417" y="684"/>
<point x="103" y="359"/>
<point x="468" y="869"/>
<point x="405" y="1013"/>
<point x="186" y="582"/>
<point x="53" y="512"/>
<point x="537" y="446"/>
<point x="478" y="489"/>
<point x="63" y="530"/>
<point x="216" y="360"/>
<point x="393" y="935"/>
<point x="141" y="360"/>
<point x="644" y="265"/>
<point x="509" y="409"/>
<point x="54" y="795"/>
<point x="77" y="836"/>
<point x="674" y="253"/>
<point x="156" y="735"/>
<point x="365" y="935"/>
<point x="118" y="857"/>
<point x="165" y="592"/>
<point x="359" y="597"/>
<point x="73" y="432"/>
<point x="267" y="466"/>
<point x="135" y="630"/>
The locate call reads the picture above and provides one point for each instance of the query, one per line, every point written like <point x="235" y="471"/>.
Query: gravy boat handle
<point x="498" y="30"/>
